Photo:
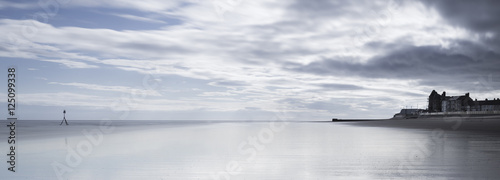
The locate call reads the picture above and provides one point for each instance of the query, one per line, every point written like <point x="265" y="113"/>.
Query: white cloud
<point x="139" y="18"/>
<point x="72" y="64"/>
<point x="121" y="89"/>
<point x="8" y="4"/>
<point x="65" y="99"/>
<point x="249" y="44"/>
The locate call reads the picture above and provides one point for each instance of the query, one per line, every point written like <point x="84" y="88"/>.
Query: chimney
<point x="444" y="94"/>
<point x="467" y="94"/>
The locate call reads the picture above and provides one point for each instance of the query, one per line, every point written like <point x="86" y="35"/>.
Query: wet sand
<point x="433" y="148"/>
<point x="486" y="124"/>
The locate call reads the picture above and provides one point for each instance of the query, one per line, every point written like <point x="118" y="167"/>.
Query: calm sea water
<point x="246" y="150"/>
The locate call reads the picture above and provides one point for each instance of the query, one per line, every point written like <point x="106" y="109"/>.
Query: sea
<point x="223" y="150"/>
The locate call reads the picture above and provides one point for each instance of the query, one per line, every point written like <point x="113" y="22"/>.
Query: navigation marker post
<point x="64" y="119"/>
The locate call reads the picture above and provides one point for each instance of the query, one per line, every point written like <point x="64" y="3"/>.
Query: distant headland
<point x="442" y="105"/>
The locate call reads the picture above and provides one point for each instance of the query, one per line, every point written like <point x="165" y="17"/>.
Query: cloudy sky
<point x="245" y="60"/>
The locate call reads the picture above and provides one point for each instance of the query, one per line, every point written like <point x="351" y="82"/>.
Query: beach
<point x="432" y="148"/>
<point x="483" y="124"/>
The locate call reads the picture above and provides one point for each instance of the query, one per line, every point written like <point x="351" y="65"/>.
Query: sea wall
<point x="462" y="113"/>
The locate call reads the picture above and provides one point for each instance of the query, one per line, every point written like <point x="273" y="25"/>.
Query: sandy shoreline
<point x="392" y="149"/>
<point x="34" y="129"/>
<point x="490" y="124"/>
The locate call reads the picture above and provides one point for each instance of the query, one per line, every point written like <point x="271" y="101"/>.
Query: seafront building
<point x="441" y="104"/>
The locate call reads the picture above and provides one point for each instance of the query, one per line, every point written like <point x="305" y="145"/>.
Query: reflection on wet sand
<point x="237" y="150"/>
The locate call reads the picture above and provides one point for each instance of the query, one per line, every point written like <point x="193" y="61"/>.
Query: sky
<point x="244" y="60"/>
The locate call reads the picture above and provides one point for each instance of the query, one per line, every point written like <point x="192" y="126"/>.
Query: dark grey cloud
<point x="319" y="9"/>
<point x="479" y="15"/>
<point x="262" y="53"/>
<point x="433" y="65"/>
<point x="460" y="65"/>
<point x="410" y="94"/>
<point x="336" y="86"/>
<point x="332" y="105"/>
<point x="226" y="83"/>
<point x="252" y="108"/>
<point x="4" y="49"/>
<point x="329" y="106"/>
<point x="155" y="49"/>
